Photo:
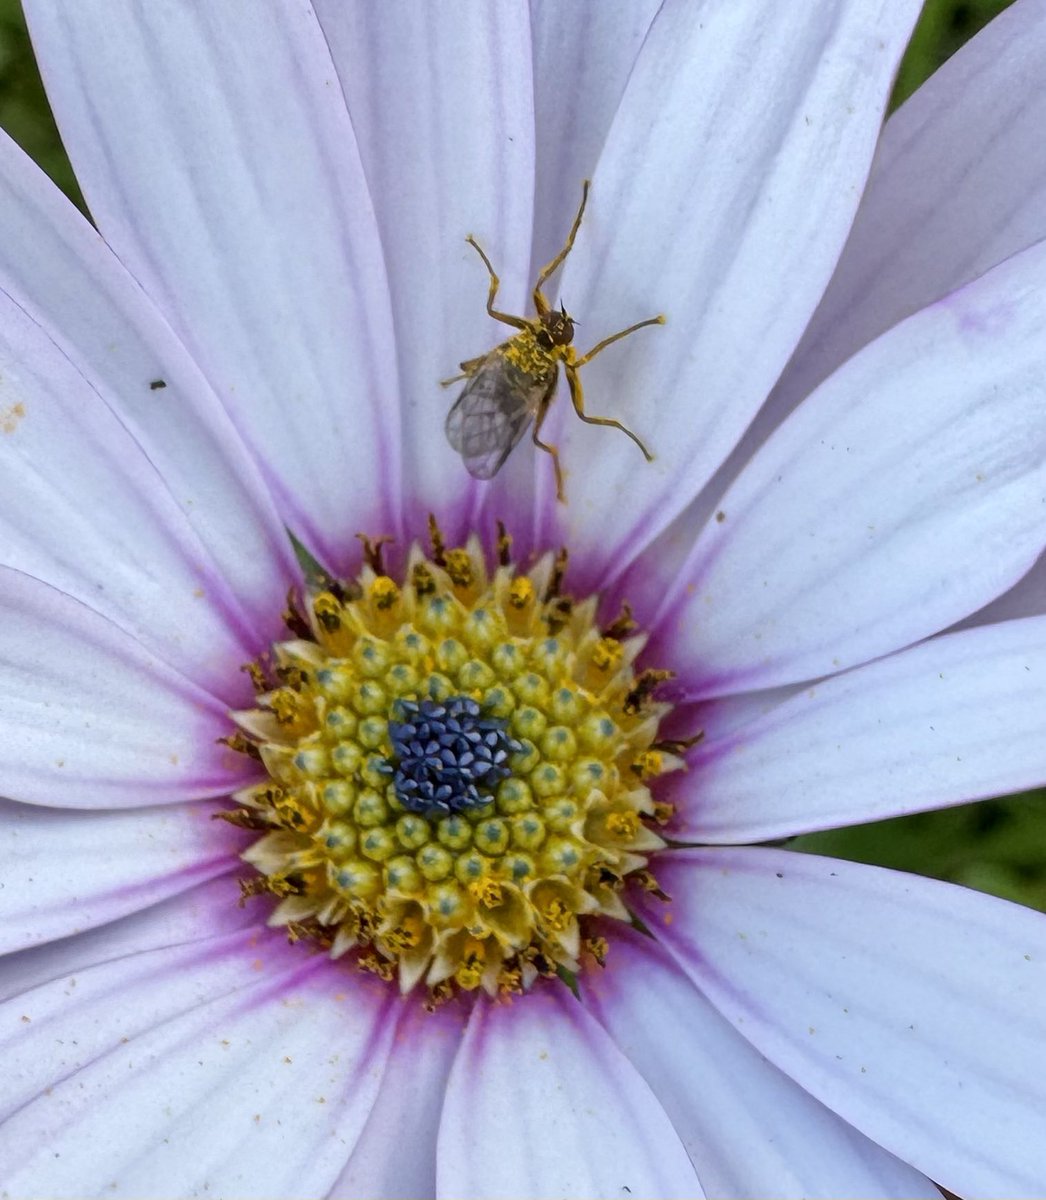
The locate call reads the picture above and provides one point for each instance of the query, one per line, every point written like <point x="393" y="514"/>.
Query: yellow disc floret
<point x="458" y="772"/>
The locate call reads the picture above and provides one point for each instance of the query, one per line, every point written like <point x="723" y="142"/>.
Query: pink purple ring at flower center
<point x="459" y="768"/>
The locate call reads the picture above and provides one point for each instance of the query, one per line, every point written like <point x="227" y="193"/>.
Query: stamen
<point x="504" y="545"/>
<point x="373" y="553"/>
<point x="292" y="616"/>
<point x="459" y="761"/>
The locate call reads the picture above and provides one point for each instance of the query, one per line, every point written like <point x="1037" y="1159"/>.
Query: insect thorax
<point x="532" y="358"/>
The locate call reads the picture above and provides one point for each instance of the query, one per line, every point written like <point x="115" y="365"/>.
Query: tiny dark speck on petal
<point x="157" y="384"/>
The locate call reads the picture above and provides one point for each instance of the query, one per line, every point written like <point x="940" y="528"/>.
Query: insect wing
<point x="491" y="415"/>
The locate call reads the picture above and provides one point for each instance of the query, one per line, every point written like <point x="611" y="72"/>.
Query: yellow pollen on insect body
<point x="487" y="884"/>
<point x="525" y="352"/>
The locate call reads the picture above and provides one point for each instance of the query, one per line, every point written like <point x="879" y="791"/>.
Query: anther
<point x="241" y="744"/>
<point x="422" y="580"/>
<point x="648" y="764"/>
<point x="678" y="746"/>
<point x="504" y="545"/>
<point x="558" y="613"/>
<point x="373" y="551"/>
<point x="622" y="625"/>
<point x="292" y="615"/>
<point x="436" y="539"/>
<point x="327" y="609"/>
<point x="606" y="654"/>
<point x="645" y="685"/>
<point x="384" y="592"/>
<point x="244" y="818"/>
<point x="259" y="680"/>
<point x="520" y="592"/>
<point x="458" y="565"/>
<point x="559" y="570"/>
<point x="598" y="947"/>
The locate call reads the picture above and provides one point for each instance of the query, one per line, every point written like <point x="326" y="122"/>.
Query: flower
<point x="251" y="343"/>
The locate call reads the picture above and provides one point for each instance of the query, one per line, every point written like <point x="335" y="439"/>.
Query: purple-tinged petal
<point x="541" y="1102"/>
<point x="225" y="1068"/>
<point x="910" y="1007"/>
<point x="67" y="871"/>
<point x="904" y="494"/>
<point x="83" y="508"/>
<point x="731" y="228"/>
<point x="395" y="1155"/>
<point x="64" y="1024"/>
<point x="956" y="718"/>
<point x="97" y="369"/>
<point x="442" y="104"/>
<point x="959" y="185"/>
<point x="207" y="910"/>
<point x="748" y="1128"/>
<point x="91" y="719"/>
<point x="218" y="160"/>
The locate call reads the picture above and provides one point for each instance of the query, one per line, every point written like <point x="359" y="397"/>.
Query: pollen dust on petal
<point x="11" y="416"/>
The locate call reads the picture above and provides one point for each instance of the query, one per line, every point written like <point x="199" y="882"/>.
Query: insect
<point x="514" y="384"/>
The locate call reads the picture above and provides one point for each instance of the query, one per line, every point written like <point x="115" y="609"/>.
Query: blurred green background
<point x="998" y="846"/>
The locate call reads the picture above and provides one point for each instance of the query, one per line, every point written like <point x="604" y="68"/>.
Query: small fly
<point x="514" y="384"/>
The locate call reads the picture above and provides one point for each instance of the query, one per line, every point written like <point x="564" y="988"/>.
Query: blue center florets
<point x="446" y="756"/>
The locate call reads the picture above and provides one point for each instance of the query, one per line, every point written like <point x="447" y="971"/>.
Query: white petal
<point x="91" y="719"/>
<point x="218" y="161"/>
<point x="723" y="205"/>
<point x="66" y="871"/>
<point x="82" y="507"/>
<point x="396" y="1152"/>
<point x="542" y="1103"/>
<point x="223" y="1069"/>
<point x="959" y="185"/>
<point x="905" y="493"/>
<point x="749" y="1129"/>
<point x="1026" y="598"/>
<point x="910" y="1007"/>
<point x="957" y="718"/>
<point x="442" y="104"/>
<point x="132" y="496"/>
<point x="583" y="57"/>
<point x="196" y="914"/>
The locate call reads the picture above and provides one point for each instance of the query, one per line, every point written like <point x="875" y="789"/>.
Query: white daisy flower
<point x="485" y="916"/>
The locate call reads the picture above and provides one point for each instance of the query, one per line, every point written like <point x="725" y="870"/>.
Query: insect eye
<point x="561" y="329"/>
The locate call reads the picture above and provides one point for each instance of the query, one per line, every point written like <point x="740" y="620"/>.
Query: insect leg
<point x="505" y="318"/>
<point x="468" y="369"/>
<point x="577" y="398"/>
<point x="616" y="337"/>
<point x="540" y="303"/>
<point x="539" y="420"/>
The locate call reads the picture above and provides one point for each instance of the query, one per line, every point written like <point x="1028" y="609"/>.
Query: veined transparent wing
<point x="492" y="413"/>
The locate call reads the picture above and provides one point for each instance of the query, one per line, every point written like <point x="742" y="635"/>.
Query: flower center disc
<point x="458" y="772"/>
